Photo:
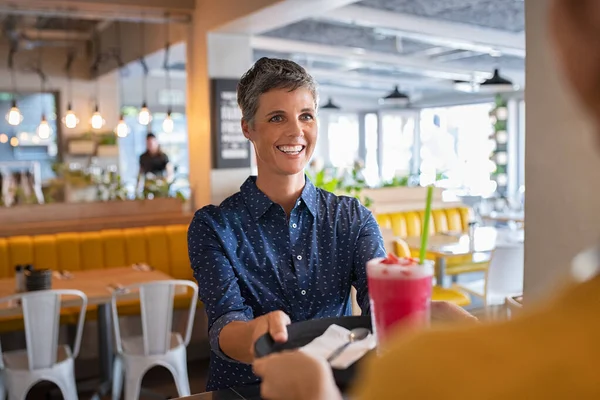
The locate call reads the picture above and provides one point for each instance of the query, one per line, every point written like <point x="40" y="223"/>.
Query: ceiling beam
<point x="108" y="10"/>
<point x="410" y="64"/>
<point x="54" y="34"/>
<point x="383" y="82"/>
<point x="280" y="14"/>
<point x="433" y="31"/>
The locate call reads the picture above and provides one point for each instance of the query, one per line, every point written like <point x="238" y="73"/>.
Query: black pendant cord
<point x="166" y="63"/>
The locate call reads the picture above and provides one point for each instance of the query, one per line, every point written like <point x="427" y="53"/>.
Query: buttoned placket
<point x="298" y="257"/>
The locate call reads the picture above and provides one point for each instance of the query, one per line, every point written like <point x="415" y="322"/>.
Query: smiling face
<point x="283" y="131"/>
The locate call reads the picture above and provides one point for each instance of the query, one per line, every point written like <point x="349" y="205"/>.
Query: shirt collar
<point x="309" y="196"/>
<point x="258" y="203"/>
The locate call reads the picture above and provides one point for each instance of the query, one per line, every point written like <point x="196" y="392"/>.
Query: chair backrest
<point x="505" y="273"/>
<point x="156" y="302"/>
<point x="41" y="314"/>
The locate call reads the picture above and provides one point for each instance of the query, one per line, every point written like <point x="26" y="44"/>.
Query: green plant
<point x="351" y="186"/>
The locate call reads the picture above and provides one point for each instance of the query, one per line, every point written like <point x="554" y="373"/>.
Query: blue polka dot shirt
<point x="249" y="259"/>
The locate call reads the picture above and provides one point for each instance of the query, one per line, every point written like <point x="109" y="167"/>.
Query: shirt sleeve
<point x="369" y="245"/>
<point x="217" y="283"/>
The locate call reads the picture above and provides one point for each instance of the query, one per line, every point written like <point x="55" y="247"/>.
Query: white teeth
<point x="290" y="149"/>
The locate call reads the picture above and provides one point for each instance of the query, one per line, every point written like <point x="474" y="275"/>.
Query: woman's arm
<point x="232" y="326"/>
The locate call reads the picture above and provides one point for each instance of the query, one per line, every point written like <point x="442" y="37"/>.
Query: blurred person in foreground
<point x="549" y="352"/>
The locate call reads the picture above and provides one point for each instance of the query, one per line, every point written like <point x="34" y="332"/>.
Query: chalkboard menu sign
<point x="230" y="148"/>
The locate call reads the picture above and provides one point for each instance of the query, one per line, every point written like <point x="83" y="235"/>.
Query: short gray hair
<point x="268" y="74"/>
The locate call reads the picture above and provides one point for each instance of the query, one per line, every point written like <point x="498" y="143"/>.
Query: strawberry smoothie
<point x="399" y="289"/>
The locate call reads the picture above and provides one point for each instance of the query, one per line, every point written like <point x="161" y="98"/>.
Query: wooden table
<point x="511" y="216"/>
<point x="452" y="245"/>
<point x="98" y="285"/>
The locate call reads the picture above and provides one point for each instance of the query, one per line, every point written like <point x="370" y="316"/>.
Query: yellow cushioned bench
<point x="409" y="223"/>
<point x="162" y="247"/>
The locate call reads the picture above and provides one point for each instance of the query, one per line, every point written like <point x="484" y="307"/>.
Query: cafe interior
<point x="412" y="94"/>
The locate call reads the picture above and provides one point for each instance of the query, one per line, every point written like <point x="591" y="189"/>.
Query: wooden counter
<point x="93" y="216"/>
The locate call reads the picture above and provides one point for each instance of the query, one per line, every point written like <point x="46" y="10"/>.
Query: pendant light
<point x="97" y="121"/>
<point x="144" y="116"/>
<point x="496" y="83"/>
<point x="395" y="98"/>
<point x="70" y="120"/>
<point x="330" y="105"/>
<point x="121" y="130"/>
<point x="13" y="117"/>
<point x="168" y="124"/>
<point x="43" y="130"/>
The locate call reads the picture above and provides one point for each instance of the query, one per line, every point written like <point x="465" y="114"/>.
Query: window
<point x="398" y="130"/>
<point x="371" y="171"/>
<point x="342" y="137"/>
<point x="456" y="141"/>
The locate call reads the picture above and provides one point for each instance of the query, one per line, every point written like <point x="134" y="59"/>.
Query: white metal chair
<point x="503" y="278"/>
<point x="43" y="359"/>
<point x="158" y="345"/>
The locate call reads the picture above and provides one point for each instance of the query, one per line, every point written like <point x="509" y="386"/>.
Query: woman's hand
<point x="295" y="375"/>
<point x="275" y="323"/>
<point x="443" y="311"/>
<point x="237" y="338"/>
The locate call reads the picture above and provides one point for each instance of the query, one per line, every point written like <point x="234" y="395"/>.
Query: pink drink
<point x="399" y="291"/>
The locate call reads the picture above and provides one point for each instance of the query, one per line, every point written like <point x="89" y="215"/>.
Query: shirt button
<point x="303" y="292"/>
<point x="294" y="226"/>
<point x="298" y="202"/>
<point x="299" y="258"/>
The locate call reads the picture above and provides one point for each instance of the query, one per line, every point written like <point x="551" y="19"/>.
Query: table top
<point x="97" y="285"/>
<point x="251" y="392"/>
<point x="453" y="244"/>
<point x="507" y="216"/>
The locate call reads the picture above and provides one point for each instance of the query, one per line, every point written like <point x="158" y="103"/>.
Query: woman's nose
<point x="295" y="128"/>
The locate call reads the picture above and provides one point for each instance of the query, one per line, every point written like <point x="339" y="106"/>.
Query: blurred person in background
<point x="154" y="163"/>
<point x="548" y="352"/>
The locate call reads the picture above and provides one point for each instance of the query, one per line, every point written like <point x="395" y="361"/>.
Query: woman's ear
<point x="246" y="129"/>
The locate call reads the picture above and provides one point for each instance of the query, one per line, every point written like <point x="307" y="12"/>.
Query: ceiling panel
<point x="507" y="15"/>
<point x="348" y="36"/>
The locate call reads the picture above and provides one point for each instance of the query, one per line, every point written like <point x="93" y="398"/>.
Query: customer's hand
<point x="443" y="311"/>
<point x="295" y="375"/>
<point x="275" y="323"/>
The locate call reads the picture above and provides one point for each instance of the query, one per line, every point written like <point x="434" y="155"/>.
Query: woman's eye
<point x="276" y="118"/>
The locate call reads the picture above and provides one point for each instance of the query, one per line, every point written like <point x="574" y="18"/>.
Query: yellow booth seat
<point x="409" y="223"/>
<point x="162" y="247"/>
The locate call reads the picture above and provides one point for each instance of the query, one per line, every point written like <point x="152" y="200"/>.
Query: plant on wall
<point x="498" y="118"/>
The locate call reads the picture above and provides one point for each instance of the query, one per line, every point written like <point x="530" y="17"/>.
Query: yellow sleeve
<point x="548" y="353"/>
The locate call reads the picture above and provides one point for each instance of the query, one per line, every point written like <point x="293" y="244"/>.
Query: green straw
<point x="425" y="232"/>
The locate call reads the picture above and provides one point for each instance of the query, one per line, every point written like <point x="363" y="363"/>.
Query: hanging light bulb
<point x="14" y="116"/>
<point x="97" y="120"/>
<point x="43" y="129"/>
<point x="70" y="119"/>
<point x="144" y="115"/>
<point x="168" y="123"/>
<point x="122" y="130"/>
